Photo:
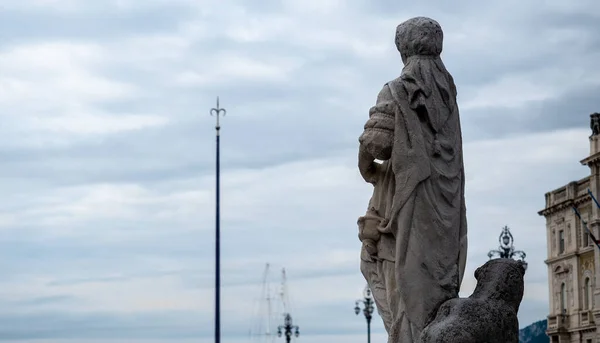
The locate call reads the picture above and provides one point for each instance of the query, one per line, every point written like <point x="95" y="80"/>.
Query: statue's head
<point x="595" y="123"/>
<point x="501" y="279"/>
<point x="419" y="36"/>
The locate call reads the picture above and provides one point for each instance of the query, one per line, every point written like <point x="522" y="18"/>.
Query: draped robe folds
<point x="427" y="216"/>
<point x="379" y="270"/>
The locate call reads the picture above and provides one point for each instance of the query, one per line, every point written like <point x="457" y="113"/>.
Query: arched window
<point x="587" y="292"/>
<point x="561" y="241"/>
<point x="563" y="298"/>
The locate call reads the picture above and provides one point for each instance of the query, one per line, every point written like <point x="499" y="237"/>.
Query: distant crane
<point x="262" y="330"/>
<point x="288" y="327"/>
<point x="269" y="308"/>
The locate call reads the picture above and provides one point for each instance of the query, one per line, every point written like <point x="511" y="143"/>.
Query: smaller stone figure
<point x="489" y="315"/>
<point x="595" y="123"/>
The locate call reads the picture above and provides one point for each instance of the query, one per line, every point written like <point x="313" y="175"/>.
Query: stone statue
<point x="595" y="123"/>
<point x="489" y="314"/>
<point x="414" y="233"/>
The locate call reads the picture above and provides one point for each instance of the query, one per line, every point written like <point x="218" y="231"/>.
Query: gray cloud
<point x="105" y="214"/>
<point x="97" y="22"/>
<point x="99" y="325"/>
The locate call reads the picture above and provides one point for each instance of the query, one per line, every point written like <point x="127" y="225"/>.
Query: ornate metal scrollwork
<point x="506" y="248"/>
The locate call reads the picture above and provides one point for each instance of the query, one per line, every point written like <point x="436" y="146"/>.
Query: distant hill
<point x="534" y="333"/>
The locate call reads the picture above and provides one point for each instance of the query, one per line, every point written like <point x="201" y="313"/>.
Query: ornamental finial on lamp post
<point x="217" y="111"/>
<point x="506" y="248"/>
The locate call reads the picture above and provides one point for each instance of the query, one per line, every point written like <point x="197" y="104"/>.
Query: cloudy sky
<point x="107" y="227"/>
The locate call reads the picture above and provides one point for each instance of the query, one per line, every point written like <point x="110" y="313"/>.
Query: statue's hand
<point x="368" y="232"/>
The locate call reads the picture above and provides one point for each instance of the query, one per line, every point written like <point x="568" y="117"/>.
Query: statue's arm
<point x="381" y="116"/>
<point x="376" y="140"/>
<point x="367" y="165"/>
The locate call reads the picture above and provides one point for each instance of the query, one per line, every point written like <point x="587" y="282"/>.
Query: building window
<point x="561" y="241"/>
<point x="563" y="299"/>
<point x="586" y="239"/>
<point x="587" y="294"/>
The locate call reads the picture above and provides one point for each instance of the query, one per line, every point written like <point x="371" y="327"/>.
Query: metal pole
<point x="367" y="310"/>
<point x="368" y="315"/>
<point x="216" y="112"/>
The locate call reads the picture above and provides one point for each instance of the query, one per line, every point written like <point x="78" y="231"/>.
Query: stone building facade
<point x="573" y="259"/>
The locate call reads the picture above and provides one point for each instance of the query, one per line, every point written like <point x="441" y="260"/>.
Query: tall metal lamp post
<point x="217" y="112"/>
<point x="368" y="309"/>
<point x="506" y="248"/>
<point x="287" y="328"/>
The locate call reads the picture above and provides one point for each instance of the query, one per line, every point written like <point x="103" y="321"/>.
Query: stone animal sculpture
<point x="489" y="315"/>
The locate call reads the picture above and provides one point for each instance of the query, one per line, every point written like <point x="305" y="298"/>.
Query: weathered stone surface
<point x="414" y="233"/>
<point x="489" y="315"/>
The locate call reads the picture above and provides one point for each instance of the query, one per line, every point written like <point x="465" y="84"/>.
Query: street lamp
<point x="218" y="111"/>
<point x="287" y="327"/>
<point x="507" y="249"/>
<point x="367" y="310"/>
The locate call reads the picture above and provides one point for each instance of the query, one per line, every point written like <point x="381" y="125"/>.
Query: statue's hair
<point x="419" y="36"/>
<point x="428" y="82"/>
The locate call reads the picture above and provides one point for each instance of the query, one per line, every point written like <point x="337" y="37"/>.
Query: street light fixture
<point x="217" y="112"/>
<point x="368" y="308"/>
<point x="287" y="328"/>
<point x="507" y="249"/>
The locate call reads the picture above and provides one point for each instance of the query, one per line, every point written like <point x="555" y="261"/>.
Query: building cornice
<point x="562" y="257"/>
<point x="566" y="256"/>
<point x="583" y="251"/>
<point x="591" y="159"/>
<point x="558" y="207"/>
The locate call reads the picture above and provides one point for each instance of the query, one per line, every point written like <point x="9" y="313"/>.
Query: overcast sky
<point x="107" y="219"/>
